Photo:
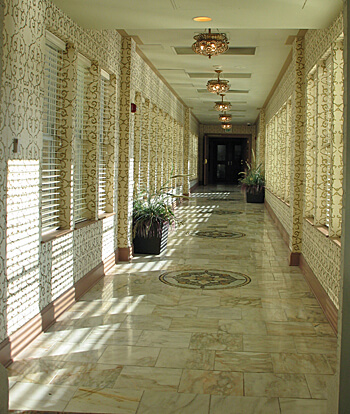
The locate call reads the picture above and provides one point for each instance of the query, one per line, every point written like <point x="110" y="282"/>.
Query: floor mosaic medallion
<point x="205" y="279"/>
<point x="216" y="234"/>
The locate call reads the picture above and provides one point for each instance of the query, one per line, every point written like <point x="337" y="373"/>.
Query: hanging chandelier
<point x="226" y="126"/>
<point x="222" y="106"/>
<point x="225" y="117"/>
<point x="218" y="85"/>
<point x="210" y="44"/>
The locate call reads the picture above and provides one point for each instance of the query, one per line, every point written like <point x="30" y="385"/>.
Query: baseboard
<point x="125" y="254"/>
<point x="294" y="259"/>
<point x="321" y="295"/>
<point x="194" y="186"/>
<point x="19" y="340"/>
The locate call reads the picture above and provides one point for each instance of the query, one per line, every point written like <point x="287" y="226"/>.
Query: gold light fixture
<point x="225" y="117"/>
<point x="226" y="126"/>
<point x="222" y="106"/>
<point x="218" y="85"/>
<point x="202" y="19"/>
<point x="210" y="44"/>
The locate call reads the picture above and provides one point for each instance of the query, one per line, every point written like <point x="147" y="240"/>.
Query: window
<point x="51" y="140"/>
<point x="324" y="141"/>
<point x="278" y="158"/>
<point x="81" y="143"/>
<point x="102" y="157"/>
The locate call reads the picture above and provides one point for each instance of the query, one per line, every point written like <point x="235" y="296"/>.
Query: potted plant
<point x="253" y="182"/>
<point x="153" y="214"/>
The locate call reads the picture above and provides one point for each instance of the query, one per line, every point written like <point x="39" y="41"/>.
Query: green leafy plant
<point x="253" y="180"/>
<point x="152" y="210"/>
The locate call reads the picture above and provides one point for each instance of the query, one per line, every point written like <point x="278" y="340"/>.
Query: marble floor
<point x="230" y="329"/>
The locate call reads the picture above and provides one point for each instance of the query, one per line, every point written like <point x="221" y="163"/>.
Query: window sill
<point x="84" y="223"/>
<point x="54" y="235"/>
<point x="105" y="215"/>
<point x="279" y="198"/>
<point x="323" y="230"/>
<point x="59" y="233"/>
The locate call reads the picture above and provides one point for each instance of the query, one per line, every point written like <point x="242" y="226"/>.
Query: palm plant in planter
<point x="253" y="182"/>
<point x="153" y="214"/>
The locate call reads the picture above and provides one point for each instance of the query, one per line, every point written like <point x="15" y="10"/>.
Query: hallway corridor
<point x="218" y="324"/>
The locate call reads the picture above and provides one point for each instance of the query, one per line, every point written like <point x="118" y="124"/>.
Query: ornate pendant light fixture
<point x="222" y="106"/>
<point x="218" y="85"/>
<point x="210" y="44"/>
<point x="225" y="118"/>
<point x="226" y="126"/>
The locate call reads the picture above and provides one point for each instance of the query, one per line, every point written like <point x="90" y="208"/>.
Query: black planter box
<point x="257" y="197"/>
<point x="152" y="245"/>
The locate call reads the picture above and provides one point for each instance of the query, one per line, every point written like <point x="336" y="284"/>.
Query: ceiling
<point x="259" y="31"/>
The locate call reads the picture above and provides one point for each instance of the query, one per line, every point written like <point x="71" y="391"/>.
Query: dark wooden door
<point x="226" y="160"/>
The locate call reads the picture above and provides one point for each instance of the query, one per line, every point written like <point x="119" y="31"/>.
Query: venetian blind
<point x="102" y="163"/>
<point x="329" y="136"/>
<point x="51" y="141"/>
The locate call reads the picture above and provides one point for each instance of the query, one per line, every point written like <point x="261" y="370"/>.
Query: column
<point x="310" y="160"/>
<point x="337" y="140"/>
<point x="126" y="147"/>
<point x="322" y="145"/>
<point x="297" y="163"/>
<point x="92" y="137"/>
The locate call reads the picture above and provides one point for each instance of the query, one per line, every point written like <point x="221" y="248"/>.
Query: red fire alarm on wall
<point x="133" y="108"/>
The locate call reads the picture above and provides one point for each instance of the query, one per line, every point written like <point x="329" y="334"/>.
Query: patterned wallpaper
<point x="282" y="211"/>
<point x="284" y="90"/>
<point x="318" y="41"/>
<point x="25" y="23"/>
<point x="49" y="269"/>
<point x="321" y="253"/>
<point x="323" y="256"/>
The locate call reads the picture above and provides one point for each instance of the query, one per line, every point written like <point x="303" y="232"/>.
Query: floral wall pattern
<point x="298" y="84"/>
<point x="49" y="268"/>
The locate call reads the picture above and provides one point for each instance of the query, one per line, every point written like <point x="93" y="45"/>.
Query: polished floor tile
<point x="293" y="405"/>
<point x="29" y="396"/>
<point x="173" y="403"/>
<point x="275" y="385"/>
<point x="106" y="400"/>
<point x="211" y="382"/>
<point x="301" y="363"/>
<point x="135" y="345"/>
<point x="130" y="355"/>
<point x="243" y="361"/>
<point x="149" y="378"/>
<point x="186" y="358"/>
<point x="243" y="405"/>
<point x="218" y="341"/>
